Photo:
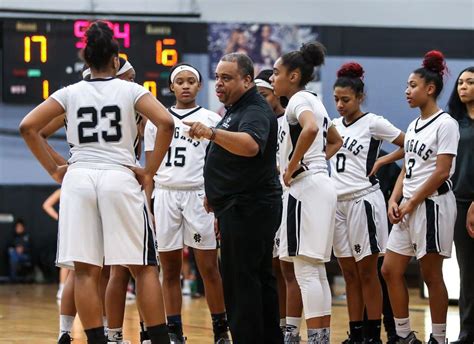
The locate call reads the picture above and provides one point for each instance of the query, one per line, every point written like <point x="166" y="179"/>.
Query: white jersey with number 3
<point x="101" y="121"/>
<point x="362" y="139"/>
<point x="183" y="165"/>
<point x="315" y="157"/>
<point x="424" y="141"/>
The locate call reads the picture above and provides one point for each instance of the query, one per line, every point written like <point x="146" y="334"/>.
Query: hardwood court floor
<point x="29" y="314"/>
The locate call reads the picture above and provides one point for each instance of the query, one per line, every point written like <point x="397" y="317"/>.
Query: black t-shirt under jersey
<point x="231" y="179"/>
<point x="463" y="178"/>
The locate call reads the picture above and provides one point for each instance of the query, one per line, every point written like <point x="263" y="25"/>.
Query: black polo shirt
<point x="463" y="178"/>
<point x="232" y="179"/>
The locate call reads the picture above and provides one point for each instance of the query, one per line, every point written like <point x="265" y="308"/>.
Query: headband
<point x="86" y="73"/>
<point x="262" y="83"/>
<point x="125" y="68"/>
<point x="183" y="68"/>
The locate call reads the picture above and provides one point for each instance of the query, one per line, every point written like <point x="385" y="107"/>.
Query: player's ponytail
<point x="100" y="45"/>
<point x="351" y="75"/>
<point x="309" y="56"/>
<point x="433" y="70"/>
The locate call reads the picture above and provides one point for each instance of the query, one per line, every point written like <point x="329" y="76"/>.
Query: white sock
<point x="402" y="326"/>
<point x="114" y="334"/>
<point x="104" y="321"/>
<point x="65" y="324"/>
<point x="293" y="324"/>
<point x="439" y="332"/>
<point x="282" y="322"/>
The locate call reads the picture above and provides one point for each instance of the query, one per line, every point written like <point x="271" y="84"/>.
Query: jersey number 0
<point x="91" y="124"/>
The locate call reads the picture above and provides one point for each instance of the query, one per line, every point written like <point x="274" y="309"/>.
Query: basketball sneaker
<point x="410" y="339"/>
<point x="65" y="338"/>
<point x="434" y="341"/>
<point x="349" y="340"/>
<point x="175" y="339"/>
<point x="291" y="338"/>
<point x="223" y="341"/>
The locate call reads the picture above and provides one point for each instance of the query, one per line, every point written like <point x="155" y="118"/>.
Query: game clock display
<point x="41" y="56"/>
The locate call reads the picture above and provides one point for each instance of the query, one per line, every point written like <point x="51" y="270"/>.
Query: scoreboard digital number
<point x="41" y="56"/>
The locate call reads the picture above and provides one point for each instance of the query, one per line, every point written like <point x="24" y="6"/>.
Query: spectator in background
<point x="461" y="107"/>
<point x="19" y="251"/>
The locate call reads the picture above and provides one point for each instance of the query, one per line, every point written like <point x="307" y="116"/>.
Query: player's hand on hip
<point x="470" y="221"/>
<point x="198" y="130"/>
<point x="143" y="178"/>
<point x="393" y="212"/>
<point x="58" y="174"/>
<point x="376" y="168"/>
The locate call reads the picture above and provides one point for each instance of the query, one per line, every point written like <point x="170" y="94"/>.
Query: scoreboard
<point x="41" y="56"/>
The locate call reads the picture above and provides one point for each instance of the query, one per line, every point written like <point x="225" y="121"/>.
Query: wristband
<point x="213" y="135"/>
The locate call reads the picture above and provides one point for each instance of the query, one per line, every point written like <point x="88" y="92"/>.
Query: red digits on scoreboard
<point x="80" y="27"/>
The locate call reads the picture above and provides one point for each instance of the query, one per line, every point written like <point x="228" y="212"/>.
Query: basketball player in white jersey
<point x="306" y="239"/>
<point x="424" y="220"/>
<point x="116" y="291"/>
<point x="361" y="230"/>
<point x="103" y="218"/>
<point x="289" y="294"/>
<point x="180" y="216"/>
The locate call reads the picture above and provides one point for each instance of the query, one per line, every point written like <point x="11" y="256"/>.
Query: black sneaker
<point x="65" y="338"/>
<point x="392" y="339"/>
<point x="434" y="341"/>
<point x="349" y="340"/>
<point x="222" y="338"/>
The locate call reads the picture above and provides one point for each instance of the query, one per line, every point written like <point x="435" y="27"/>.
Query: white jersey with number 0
<point x="183" y="165"/>
<point x="101" y="121"/>
<point x="424" y="141"/>
<point x="362" y="139"/>
<point x="315" y="157"/>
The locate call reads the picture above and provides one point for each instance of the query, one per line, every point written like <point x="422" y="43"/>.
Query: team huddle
<point x="320" y="175"/>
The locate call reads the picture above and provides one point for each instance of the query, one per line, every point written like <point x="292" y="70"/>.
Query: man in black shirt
<point x="243" y="190"/>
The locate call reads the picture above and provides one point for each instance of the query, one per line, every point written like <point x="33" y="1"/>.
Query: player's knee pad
<point x="314" y="286"/>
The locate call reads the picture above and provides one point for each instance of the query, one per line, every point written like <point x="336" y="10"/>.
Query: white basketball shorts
<point x="181" y="219"/>
<point x="103" y="218"/>
<point x="361" y="226"/>
<point x="428" y="229"/>
<point x="307" y="226"/>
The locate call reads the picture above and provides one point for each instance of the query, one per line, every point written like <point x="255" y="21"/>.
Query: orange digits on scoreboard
<point x="166" y="57"/>
<point x="45" y="89"/>
<point x="43" y="42"/>
<point x="151" y="86"/>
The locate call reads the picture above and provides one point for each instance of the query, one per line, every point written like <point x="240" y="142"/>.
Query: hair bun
<point x="351" y="70"/>
<point x="435" y="62"/>
<point x="313" y="53"/>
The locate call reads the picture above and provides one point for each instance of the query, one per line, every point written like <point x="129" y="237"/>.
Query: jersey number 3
<point x="410" y="164"/>
<point x="91" y="124"/>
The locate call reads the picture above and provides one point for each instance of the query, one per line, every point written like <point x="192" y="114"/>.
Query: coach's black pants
<point x="465" y="255"/>
<point x="251" y="300"/>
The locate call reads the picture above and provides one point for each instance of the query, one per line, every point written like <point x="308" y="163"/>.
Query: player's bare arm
<point x="392" y="157"/>
<point x="439" y="176"/>
<point x="30" y="128"/>
<point x="334" y="142"/>
<point x="160" y="117"/>
<point x="393" y="210"/>
<point x="305" y="140"/>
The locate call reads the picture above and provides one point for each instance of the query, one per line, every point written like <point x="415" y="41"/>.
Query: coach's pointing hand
<point x="198" y="130"/>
